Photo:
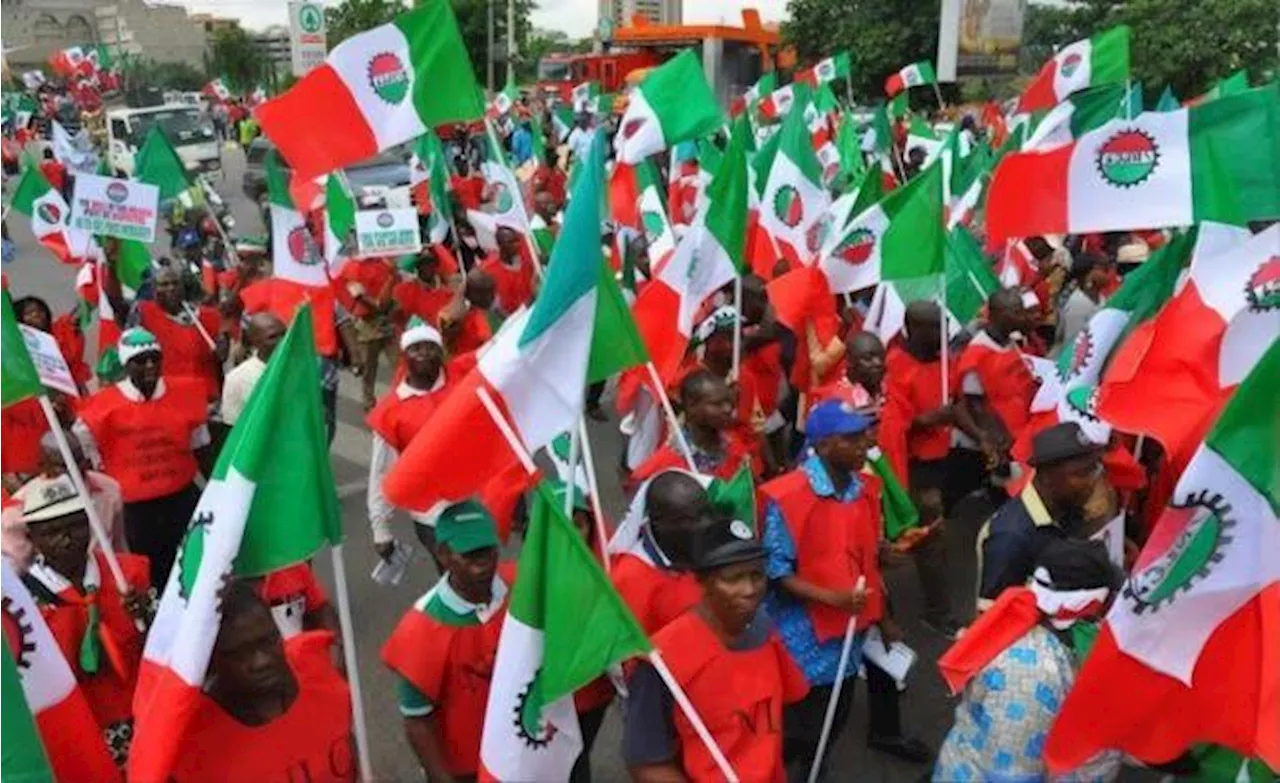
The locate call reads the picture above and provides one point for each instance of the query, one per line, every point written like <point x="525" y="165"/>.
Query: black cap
<point x="1060" y="443"/>
<point x="723" y="542"/>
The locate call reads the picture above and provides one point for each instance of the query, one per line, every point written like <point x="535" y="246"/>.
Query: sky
<point x="575" y="17"/>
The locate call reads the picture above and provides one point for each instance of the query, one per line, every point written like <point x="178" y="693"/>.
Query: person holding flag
<point x="727" y="657"/>
<point x="153" y="436"/>
<point x="428" y="292"/>
<point x="99" y="629"/>
<point x="710" y="422"/>
<point x="443" y="649"/>
<point x="401" y="414"/>
<point x="271" y="708"/>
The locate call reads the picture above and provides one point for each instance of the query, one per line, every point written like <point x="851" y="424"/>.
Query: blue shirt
<point x="521" y="145"/>
<point x="818" y="660"/>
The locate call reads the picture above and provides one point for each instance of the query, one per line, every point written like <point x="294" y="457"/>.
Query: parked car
<point x="370" y="179"/>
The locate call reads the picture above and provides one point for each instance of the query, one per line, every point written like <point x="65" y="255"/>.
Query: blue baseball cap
<point x="837" y="417"/>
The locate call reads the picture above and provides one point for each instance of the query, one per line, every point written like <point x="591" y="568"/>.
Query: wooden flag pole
<point x="681" y="441"/>
<point x="358" y="725"/>
<point x="593" y="489"/>
<point x="691" y="714"/>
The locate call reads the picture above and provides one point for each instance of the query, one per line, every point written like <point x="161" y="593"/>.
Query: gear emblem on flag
<point x="17" y="632"/>
<point x="856" y="248"/>
<point x="633" y="126"/>
<point x="1263" y="289"/>
<point x="1128" y="158"/>
<point x="49" y="213"/>
<point x="1081" y="353"/>
<point x="530" y="725"/>
<point x="388" y="77"/>
<point x="192" y="553"/>
<point x="1070" y="63"/>
<point x="817" y="234"/>
<point x="1206" y="523"/>
<point x="788" y="207"/>
<point x="502" y="198"/>
<point x="299" y="241"/>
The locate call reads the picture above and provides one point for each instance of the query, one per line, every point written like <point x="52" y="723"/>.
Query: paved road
<point x="926" y="710"/>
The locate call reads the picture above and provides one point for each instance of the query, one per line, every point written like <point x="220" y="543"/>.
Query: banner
<point x="980" y="37"/>
<point x="115" y="207"/>
<point x="45" y="355"/>
<point x="387" y="232"/>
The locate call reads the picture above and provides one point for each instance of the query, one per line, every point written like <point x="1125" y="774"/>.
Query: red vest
<point x="473" y="333"/>
<point x="397" y="420"/>
<point x="22" y="426"/>
<point x="835" y="544"/>
<point x="282" y="298"/>
<point x="667" y="457"/>
<point x="310" y="742"/>
<point x="912" y="387"/>
<point x="1007" y="383"/>
<point x="186" y="354"/>
<point x="110" y="690"/>
<point x="374" y="275"/>
<point x="656" y="596"/>
<point x="514" y="287"/>
<point x="739" y="696"/>
<point x="764" y="366"/>
<point x="414" y="297"/>
<point x="146" y="446"/>
<point x="453" y="667"/>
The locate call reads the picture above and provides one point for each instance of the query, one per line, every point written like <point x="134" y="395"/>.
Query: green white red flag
<point x="68" y="731"/>
<point x="913" y="75"/>
<point x="295" y="255"/>
<point x="50" y="215"/>
<point x="826" y="71"/>
<point x="507" y="200"/>
<point x="1173" y="373"/>
<point x="271" y="502"/>
<point x="1099" y="59"/>
<point x="1215" y="162"/>
<point x="378" y="88"/>
<point x="1191" y="640"/>
<point x="503" y="101"/>
<point x="902" y="236"/>
<point x="794" y="199"/>
<point x="339" y="223"/>
<point x="674" y="103"/>
<point x="565" y="626"/>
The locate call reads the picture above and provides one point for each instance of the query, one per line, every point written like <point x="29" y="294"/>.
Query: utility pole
<point x="489" y="80"/>
<point x="511" y="41"/>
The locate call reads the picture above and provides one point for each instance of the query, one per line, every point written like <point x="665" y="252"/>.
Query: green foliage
<point x="1188" y="44"/>
<point x="236" y="58"/>
<point x="473" y="24"/>
<point x="355" y="16"/>
<point x="881" y="36"/>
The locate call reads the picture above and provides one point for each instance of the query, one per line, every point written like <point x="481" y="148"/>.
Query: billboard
<point x="979" y="37"/>
<point x="306" y="36"/>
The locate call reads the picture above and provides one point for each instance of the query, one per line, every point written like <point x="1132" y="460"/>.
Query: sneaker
<point x="948" y="628"/>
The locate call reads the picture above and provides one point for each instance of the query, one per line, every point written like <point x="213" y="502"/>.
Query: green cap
<point x="466" y="527"/>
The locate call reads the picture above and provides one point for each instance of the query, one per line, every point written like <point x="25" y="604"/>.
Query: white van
<point x="188" y="129"/>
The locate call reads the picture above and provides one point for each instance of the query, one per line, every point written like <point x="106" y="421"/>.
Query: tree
<point x="355" y="16"/>
<point x="473" y="23"/>
<point x="880" y="36"/>
<point x="235" y="57"/>
<point x="1188" y="45"/>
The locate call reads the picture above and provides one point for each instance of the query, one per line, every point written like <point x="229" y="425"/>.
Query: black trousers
<point x="802" y="721"/>
<point x="930" y="555"/>
<point x="589" y="722"/>
<point x="155" y="528"/>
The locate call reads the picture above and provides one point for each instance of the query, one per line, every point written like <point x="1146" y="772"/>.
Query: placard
<point x="387" y="232"/>
<point x="123" y="208"/>
<point x="47" y="357"/>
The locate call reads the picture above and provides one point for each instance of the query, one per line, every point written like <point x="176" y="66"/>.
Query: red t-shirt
<point x="913" y="388"/>
<point x="552" y="180"/>
<point x="186" y="354"/>
<point x="146" y="445"/>
<point x="310" y="742"/>
<point x="656" y="596"/>
<point x="22" y="425"/>
<point x="470" y="190"/>
<point x="473" y="333"/>
<point x="513" y="286"/>
<point x="375" y="276"/>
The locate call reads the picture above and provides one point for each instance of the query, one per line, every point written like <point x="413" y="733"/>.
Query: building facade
<point x="33" y="30"/>
<point x="620" y="12"/>
<point x="152" y="31"/>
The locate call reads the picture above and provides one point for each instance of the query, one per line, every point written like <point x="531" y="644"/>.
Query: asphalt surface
<point x="926" y="710"/>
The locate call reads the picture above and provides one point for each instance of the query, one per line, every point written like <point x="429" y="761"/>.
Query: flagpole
<point x="195" y="319"/>
<point x="353" y="668"/>
<point x="681" y="441"/>
<point x="508" y="434"/>
<point x="96" y="527"/>
<point x="945" y="349"/>
<point x="593" y="489"/>
<point x="938" y="94"/>
<point x="691" y="714"/>
<point x="572" y="481"/>
<point x="846" y="649"/>
<point x="737" y="328"/>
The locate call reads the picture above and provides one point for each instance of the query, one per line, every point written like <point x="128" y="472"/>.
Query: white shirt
<point x="580" y="142"/>
<point x="380" y="461"/>
<point x="238" y="385"/>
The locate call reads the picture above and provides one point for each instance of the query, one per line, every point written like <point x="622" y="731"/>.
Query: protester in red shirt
<point x="34" y="312"/>
<point x="428" y="292"/>
<point x="511" y="270"/>
<point x="271" y="709"/>
<point x="95" y="625"/>
<point x="186" y="345"/>
<point x="152" y="435"/>
<point x="365" y="288"/>
<point x="468" y="322"/>
<point x="549" y="179"/>
<point x="468" y="187"/>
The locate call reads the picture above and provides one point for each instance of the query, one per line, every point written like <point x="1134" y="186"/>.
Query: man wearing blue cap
<point x="444" y="647"/>
<point x="821" y="531"/>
